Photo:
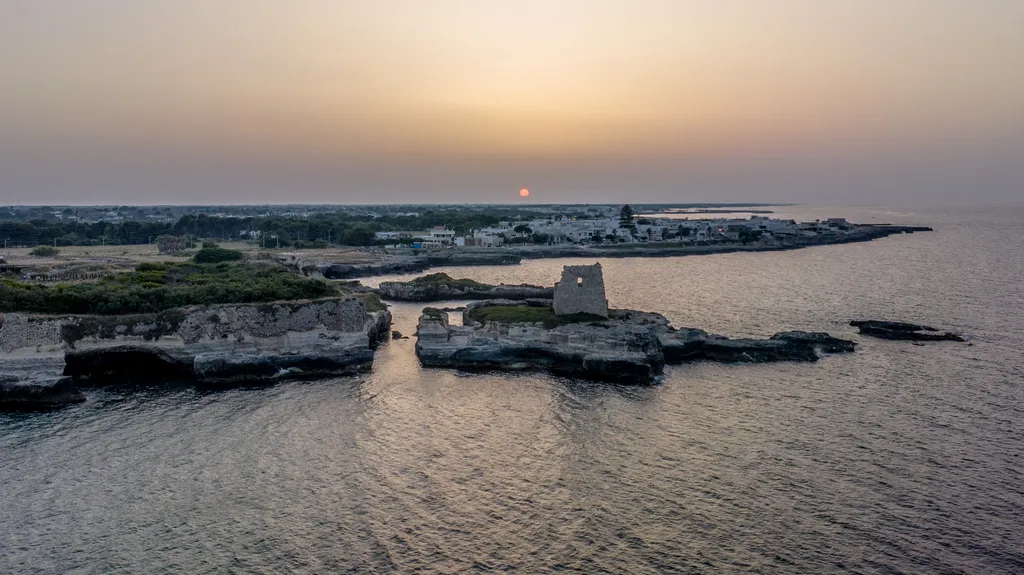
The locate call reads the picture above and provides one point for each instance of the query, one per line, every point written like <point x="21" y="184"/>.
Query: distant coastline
<point x="406" y="261"/>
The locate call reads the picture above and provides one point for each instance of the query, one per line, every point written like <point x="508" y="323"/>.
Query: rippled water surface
<point x="898" y="458"/>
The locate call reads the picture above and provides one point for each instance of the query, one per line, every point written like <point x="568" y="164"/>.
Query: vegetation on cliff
<point x="155" y="287"/>
<point x="527" y="314"/>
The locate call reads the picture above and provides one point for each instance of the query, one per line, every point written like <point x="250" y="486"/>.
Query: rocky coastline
<point x="207" y="345"/>
<point x="628" y="346"/>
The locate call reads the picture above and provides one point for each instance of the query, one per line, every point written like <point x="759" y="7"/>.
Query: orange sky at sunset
<point x="123" y="95"/>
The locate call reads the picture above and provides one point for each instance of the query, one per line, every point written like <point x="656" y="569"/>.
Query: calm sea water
<point x="896" y="459"/>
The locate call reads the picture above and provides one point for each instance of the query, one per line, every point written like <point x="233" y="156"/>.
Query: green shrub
<point x="215" y="255"/>
<point x="45" y="251"/>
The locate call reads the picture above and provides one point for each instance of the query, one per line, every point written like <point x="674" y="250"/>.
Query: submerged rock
<point x="440" y="286"/>
<point x="898" y="330"/>
<point x="818" y="339"/>
<point x="38" y="392"/>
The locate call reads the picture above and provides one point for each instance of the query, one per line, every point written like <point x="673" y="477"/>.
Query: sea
<point x="898" y="458"/>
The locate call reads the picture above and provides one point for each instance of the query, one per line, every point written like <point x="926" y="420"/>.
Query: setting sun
<point x="524" y="192"/>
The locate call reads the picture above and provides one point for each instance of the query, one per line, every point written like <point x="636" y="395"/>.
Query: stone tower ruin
<point x="581" y="290"/>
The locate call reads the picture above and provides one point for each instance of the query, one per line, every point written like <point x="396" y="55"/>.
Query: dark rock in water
<point x="396" y="334"/>
<point x="475" y="257"/>
<point x="38" y="393"/>
<point x="817" y="339"/>
<point x="691" y="344"/>
<point x="440" y="286"/>
<point x="736" y="350"/>
<point x="898" y="330"/>
<point x="127" y="364"/>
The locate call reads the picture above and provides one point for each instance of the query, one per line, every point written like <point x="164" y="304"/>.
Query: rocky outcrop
<point x="214" y="344"/>
<point x="439" y="287"/>
<point x="696" y="344"/>
<point x="899" y="330"/>
<point x="598" y="352"/>
<point x="392" y="266"/>
<point x="37" y="392"/>
<point x="473" y="257"/>
<point x="630" y="346"/>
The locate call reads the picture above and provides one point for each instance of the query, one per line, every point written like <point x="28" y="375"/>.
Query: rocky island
<point x="576" y="334"/>
<point x="441" y="286"/>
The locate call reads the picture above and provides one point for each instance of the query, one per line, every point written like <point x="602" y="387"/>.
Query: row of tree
<point x="318" y="229"/>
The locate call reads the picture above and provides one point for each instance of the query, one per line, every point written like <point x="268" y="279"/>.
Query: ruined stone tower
<point x="581" y="290"/>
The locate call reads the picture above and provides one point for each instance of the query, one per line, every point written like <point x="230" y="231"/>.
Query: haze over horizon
<point x="120" y="102"/>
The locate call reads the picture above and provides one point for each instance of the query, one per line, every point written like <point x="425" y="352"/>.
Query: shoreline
<point x="402" y="263"/>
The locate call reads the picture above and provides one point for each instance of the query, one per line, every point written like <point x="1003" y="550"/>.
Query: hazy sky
<point x="250" y="101"/>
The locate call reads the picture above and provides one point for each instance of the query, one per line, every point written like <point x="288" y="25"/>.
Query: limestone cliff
<point x="208" y="343"/>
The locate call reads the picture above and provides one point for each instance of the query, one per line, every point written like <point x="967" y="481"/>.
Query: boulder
<point x="38" y="392"/>
<point x="898" y="330"/>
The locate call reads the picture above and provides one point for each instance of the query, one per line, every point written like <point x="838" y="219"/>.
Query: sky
<point x="431" y="101"/>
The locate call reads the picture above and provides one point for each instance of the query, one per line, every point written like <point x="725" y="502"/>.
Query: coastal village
<point x="623" y="228"/>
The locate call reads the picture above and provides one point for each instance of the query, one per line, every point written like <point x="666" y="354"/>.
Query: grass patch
<point x="156" y="287"/>
<point x="528" y="314"/>
<point x="433" y="313"/>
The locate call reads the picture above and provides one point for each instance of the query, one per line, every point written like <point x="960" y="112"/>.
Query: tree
<point x="522" y="229"/>
<point x="626" y="216"/>
<point x="360" y="235"/>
